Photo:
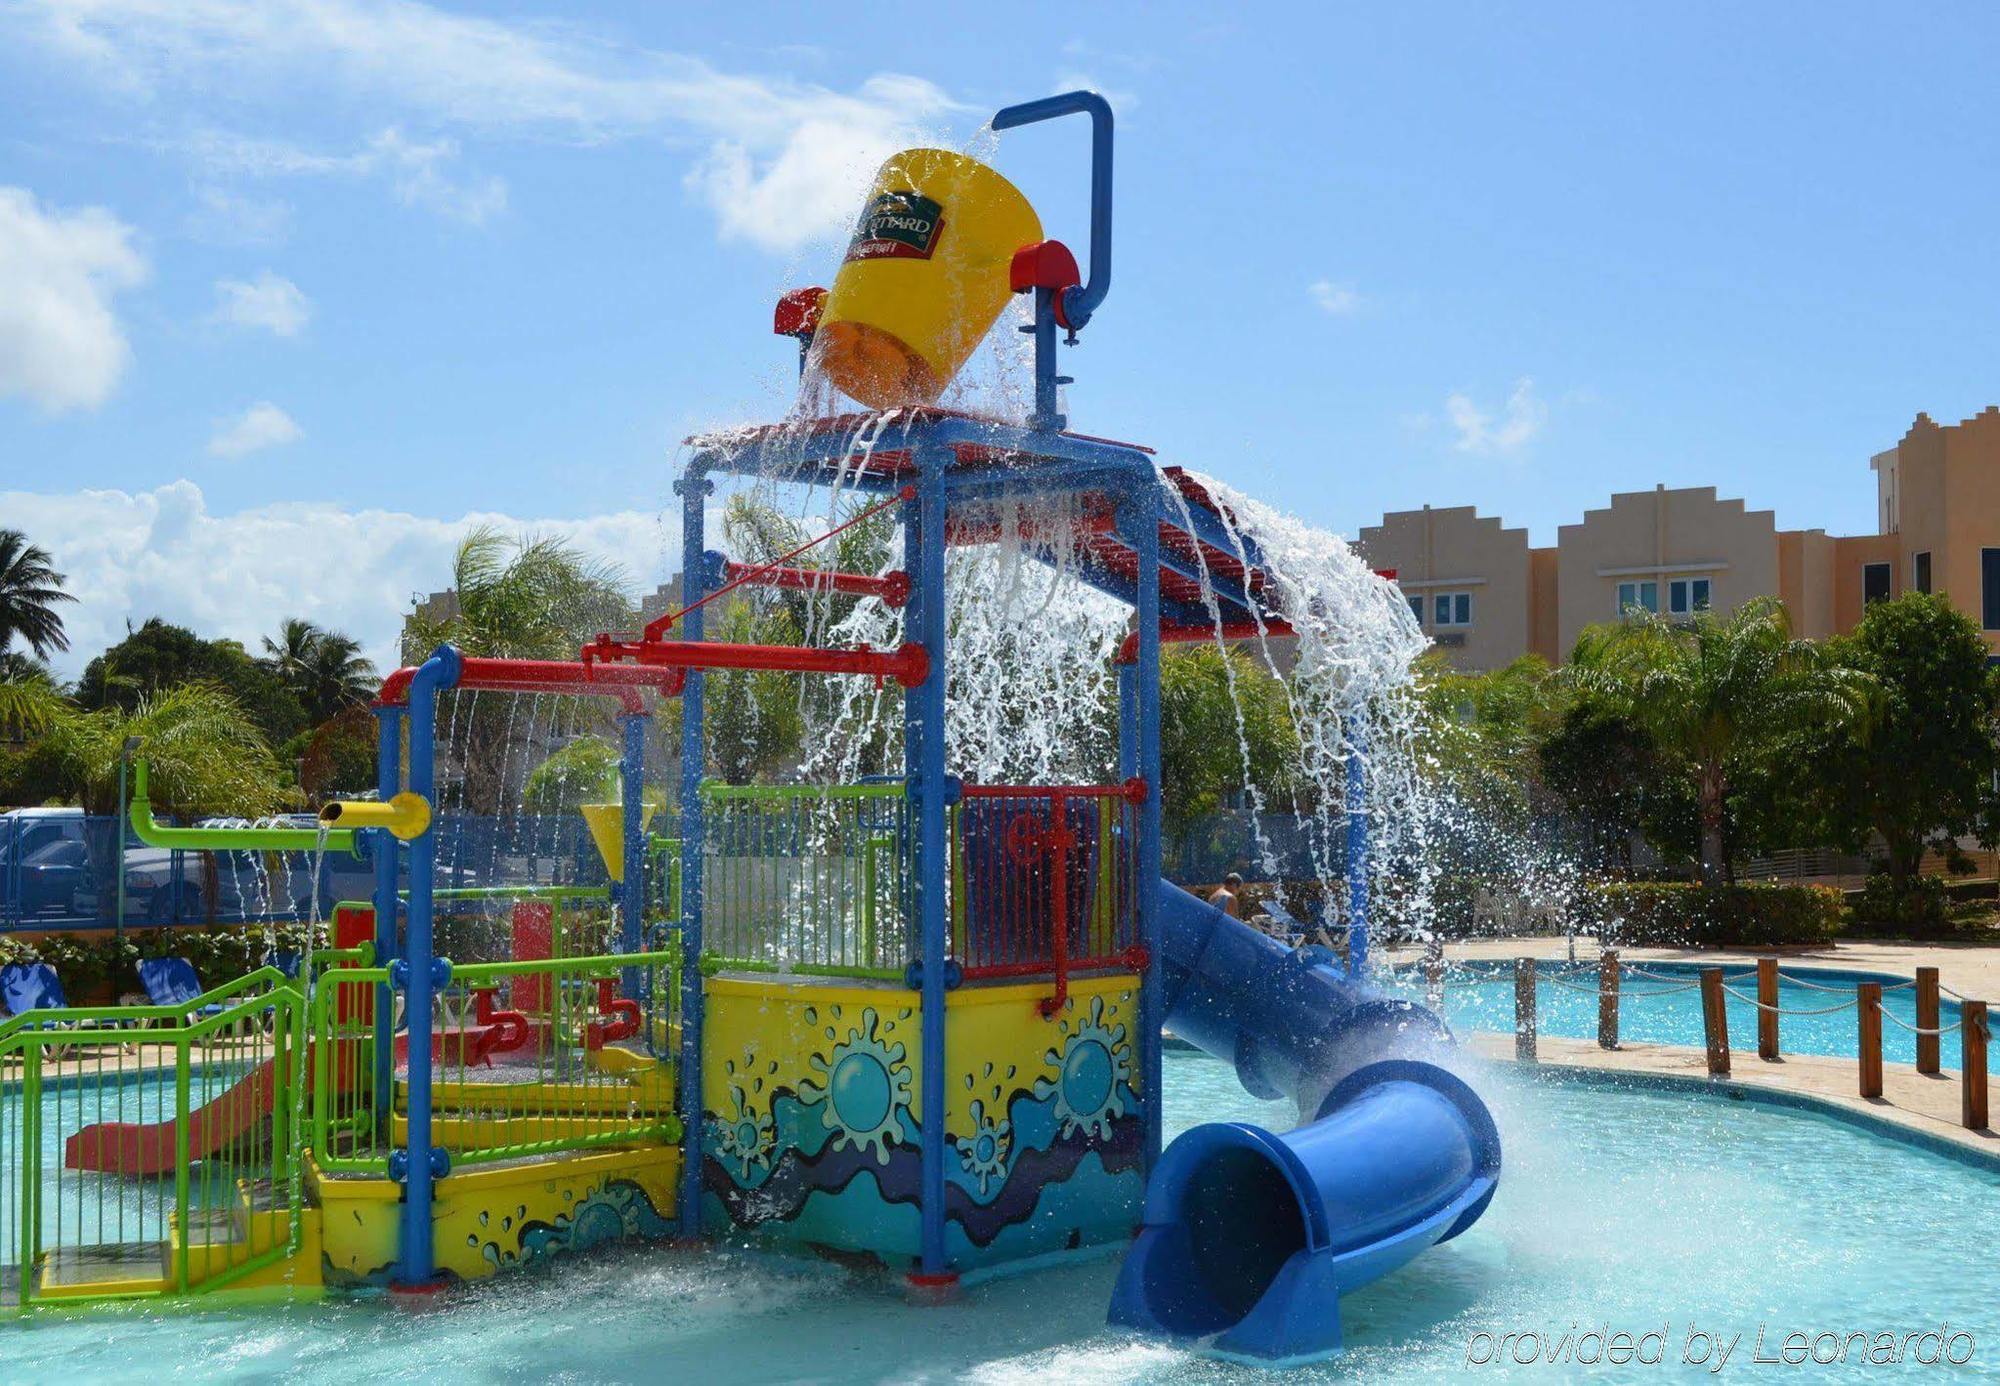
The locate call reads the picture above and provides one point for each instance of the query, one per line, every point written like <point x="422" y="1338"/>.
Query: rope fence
<point x="1863" y="998"/>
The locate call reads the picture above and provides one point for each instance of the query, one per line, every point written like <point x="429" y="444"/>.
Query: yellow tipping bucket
<point x="924" y="278"/>
<point x="607" y="830"/>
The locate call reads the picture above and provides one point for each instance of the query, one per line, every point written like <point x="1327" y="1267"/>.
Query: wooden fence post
<point x="1868" y="1010"/>
<point x="1715" y="1022"/>
<point x="1973" y="1064"/>
<point x="1928" y="1014"/>
<point x="1524" y="1010"/>
<point x="1607" y="999"/>
<point x="1767" y="1008"/>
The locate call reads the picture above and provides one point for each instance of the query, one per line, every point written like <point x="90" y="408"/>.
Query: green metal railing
<point x="530" y="1057"/>
<point x="806" y="879"/>
<point x="148" y="1150"/>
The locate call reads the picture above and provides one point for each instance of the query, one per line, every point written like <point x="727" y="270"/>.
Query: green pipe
<point x="227" y="839"/>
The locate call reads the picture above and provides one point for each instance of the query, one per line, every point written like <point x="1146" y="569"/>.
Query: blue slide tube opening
<point x="1252" y="1236"/>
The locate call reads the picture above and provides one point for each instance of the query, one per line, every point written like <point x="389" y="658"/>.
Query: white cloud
<point x="770" y="145"/>
<point x="269" y="303"/>
<point x="61" y="344"/>
<point x="262" y="425"/>
<point x="417" y="171"/>
<point x="1518" y="421"/>
<point x="223" y="217"/>
<point x="1336" y="300"/>
<point x="162" y="553"/>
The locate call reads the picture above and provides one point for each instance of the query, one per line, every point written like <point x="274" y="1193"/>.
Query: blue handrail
<point x="1080" y="302"/>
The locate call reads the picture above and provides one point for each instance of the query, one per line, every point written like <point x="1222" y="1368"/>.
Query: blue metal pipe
<point x="1080" y="302"/>
<point x="1140" y="519"/>
<point x="1356" y="790"/>
<point x="924" y="711"/>
<point x="694" y="491"/>
<point x="417" y="1265"/>
<point x="388" y="781"/>
<point x="1128" y="720"/>
<point x="632" y="891"/>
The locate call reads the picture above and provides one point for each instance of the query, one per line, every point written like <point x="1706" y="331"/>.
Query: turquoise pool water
<point x="1480" y="996"/>
<point x="1636" y="1209"/>
<point x="79" y="1207"/>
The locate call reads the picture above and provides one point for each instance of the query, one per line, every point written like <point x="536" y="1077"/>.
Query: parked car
<point x="47" y="877"/>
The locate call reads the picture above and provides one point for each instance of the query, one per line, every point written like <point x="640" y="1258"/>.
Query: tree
<point x="752" y="717"/>
<point x="1482" y="730"/>
<point x="1920" y="764"/>
<point x="30" y="590"/>
<point x="583" y="772"/>
<point x="1202" y="744"/>
<point x="159" y="656"/>
<point x="336" y="758"/>
<point x="521" y="597"/>
<point x="1713" y="693"/>
<point x="323" y="669"/>
<point x="516" y="597"/>
<point x="204" y="754"/>
<point x="30" y="697"/>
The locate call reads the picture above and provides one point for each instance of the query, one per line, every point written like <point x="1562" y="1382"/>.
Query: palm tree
<point x="1711" y="691"/>
<point x="30" y="588"/>
<point x="522" y="597"/>
<point x="516" y="597"/>
<point x="30" y="697"/>
<point x="323" y="669"/>
<point x="203" y="753"/>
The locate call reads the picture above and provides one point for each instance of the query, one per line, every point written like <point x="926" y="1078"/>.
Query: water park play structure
<point x="909" y="1017"/>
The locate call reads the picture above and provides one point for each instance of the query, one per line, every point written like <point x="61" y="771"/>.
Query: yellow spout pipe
<point x="405" y="816"/>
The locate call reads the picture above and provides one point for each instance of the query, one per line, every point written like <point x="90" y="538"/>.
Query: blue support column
<point x="632" y="892"/>
<point x="694" y="491"/>
<point x="386" y="851"/>
<point x="1141" y="526"/>
<point x="924" y="741"/>
<point x="1128" y="718"/>
<point x="420" y="1164"/>
<point x="1357" y="851"/>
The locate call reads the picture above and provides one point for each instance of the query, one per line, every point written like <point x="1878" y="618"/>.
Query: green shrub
<point x="1671" y="913"/>
<point x="1923" y="906"/>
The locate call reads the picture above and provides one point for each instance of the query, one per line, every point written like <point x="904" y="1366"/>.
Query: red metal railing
<point x="892" y="588"/>
<point x="1043" y="882"/>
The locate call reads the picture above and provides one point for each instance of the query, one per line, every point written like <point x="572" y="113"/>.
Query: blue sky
<point x="292" y="277"/>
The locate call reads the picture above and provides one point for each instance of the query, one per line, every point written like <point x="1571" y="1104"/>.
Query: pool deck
<point x="1919" y="1103"/>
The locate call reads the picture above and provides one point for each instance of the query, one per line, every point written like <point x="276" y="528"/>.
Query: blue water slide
<point x="1252" y="1236"/>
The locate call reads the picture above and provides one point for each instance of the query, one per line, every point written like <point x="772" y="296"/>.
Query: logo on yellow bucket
<point x="901" y="222"/>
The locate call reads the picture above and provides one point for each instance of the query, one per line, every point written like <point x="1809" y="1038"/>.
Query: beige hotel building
<point x="1486" y="597"/>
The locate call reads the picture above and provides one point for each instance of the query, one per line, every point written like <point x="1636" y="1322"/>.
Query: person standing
<point x="1226" y="897"/>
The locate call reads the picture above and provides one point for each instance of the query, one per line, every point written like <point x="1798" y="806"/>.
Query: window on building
<point x="1685" y="596"/>
<point x="1989" y="588"/>
<point x="1638" y="596"/>
<point x="1417" y="609"/>
<point x="1451" y="609"/>
<point x="1923" y="573"/>
<point x="1874" y="583"/>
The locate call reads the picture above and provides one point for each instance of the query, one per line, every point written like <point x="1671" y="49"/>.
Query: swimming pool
<point x="1480" y="996"/>
<point x="1627" y="1207"/>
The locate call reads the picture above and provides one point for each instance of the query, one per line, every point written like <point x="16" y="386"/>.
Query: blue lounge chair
<point x="172" y="982"/>
<point x="35" y="987"/>
<point x="30" y="987"/>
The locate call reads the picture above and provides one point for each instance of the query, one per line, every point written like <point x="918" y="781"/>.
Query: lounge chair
<point x="172" y="982"/>
<point x="28" y="987"/>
